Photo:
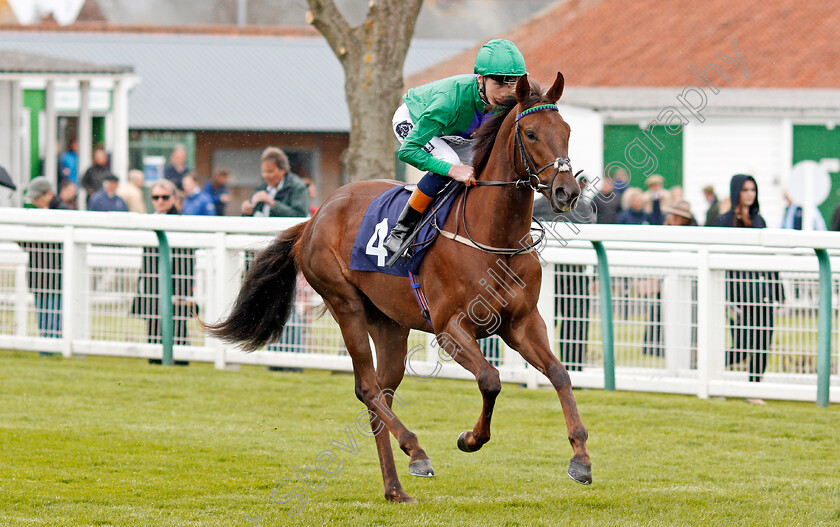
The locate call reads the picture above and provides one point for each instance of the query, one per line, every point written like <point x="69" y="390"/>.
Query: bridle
<point x="560" y="164"/>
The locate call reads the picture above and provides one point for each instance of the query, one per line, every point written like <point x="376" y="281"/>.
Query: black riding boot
<point x="409" y="218"/>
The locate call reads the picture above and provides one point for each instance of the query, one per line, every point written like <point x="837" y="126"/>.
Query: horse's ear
<point x="523" y="89"/>
<point x="556" y="89"/>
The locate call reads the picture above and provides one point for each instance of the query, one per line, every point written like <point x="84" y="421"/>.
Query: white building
<point x="35" y="90"/>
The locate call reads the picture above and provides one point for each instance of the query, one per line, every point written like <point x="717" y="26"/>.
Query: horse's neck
<point x="500" y="215"/>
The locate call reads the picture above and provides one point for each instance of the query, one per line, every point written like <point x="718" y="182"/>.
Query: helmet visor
<point x="510" y="80"/>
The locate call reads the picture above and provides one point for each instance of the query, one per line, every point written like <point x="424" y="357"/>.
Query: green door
<point x="816" y="143"/>
<point x="633" y="146"/>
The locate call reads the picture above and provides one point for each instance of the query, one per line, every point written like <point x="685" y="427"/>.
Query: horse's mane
<point x="485" y="136"/>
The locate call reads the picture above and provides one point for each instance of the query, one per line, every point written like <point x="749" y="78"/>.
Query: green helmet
<point x="500" y="57"/>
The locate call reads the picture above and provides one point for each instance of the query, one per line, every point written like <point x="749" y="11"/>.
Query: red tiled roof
<point x="784" y="43"/>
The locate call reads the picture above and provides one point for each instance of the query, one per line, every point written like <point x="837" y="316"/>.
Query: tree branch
<point x="331" y="23"/>
<point x="400" y="16"/>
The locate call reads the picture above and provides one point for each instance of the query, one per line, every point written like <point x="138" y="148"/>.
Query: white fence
<point x="693" y="308"/>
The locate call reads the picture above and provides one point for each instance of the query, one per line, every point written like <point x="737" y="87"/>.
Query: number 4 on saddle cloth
<point x="369" y="253"/>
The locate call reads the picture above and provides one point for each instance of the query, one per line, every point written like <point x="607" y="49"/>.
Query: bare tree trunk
<point x="372" y="56"/>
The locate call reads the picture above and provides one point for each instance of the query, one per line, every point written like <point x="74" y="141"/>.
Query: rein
<point x="560" y="164"/>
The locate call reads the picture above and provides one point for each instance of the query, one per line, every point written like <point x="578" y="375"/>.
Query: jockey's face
<point x="496" y="92"/>
<point x="271" y="174"/>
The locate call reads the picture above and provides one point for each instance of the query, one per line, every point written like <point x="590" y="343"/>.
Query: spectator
<point x="313" y="193"/>
<point x="95" y="175"/>
<point x="571" y="287"/>
<point x="656" y="199"/>
<point x="294" y="334"/>
<point x="725" y="206"/>
<point x="177" y="167"/>
<point x="134" y="193"/>
<point x="572" y="290"/>
<point x="750" y="295"/>
<point x="793" y="216"/>
<point x="676" y="193"/>
<point x="680" y="214"/>
<point x="40" y="194"/>
<point x="45" y="264"/>
<point x="67" y="194"/>
<point x="620" y="181"/>
<point x="283" y="193"/>
<point x="835" y="219"/>
<point x="607" y="203"/>
<point x="216" y="188"/>
<point x="196" y="201"/>
<point x="633" y="213"/>
<point x="146" y="304"/>
<point x="68" y="163"/>
<point x="714" y="206"/>
<point x="56" y="203"/>
<point x="106" y="199"/>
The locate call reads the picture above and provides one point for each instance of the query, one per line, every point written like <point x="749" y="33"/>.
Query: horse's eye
<point x="530" y="135"/>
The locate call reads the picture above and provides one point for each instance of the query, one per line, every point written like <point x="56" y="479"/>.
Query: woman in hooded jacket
<point x="750" y="295"/>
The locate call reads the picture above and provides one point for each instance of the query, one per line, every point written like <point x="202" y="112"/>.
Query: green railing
<point x="166" y="331"/>
<point x="605" y="290"/>
<point x="824" y="333"/>
<point x="823" y="339"/>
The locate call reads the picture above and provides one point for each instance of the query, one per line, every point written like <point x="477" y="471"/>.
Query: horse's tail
<point x="267" y="296"/>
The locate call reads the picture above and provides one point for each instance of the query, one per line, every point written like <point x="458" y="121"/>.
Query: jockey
<point x="452" y="106"/>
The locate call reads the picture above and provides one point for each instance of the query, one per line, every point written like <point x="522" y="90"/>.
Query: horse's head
<point x="541" y="144"/>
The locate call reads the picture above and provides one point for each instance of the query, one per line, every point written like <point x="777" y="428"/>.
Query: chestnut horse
<point x="516" y="152"/>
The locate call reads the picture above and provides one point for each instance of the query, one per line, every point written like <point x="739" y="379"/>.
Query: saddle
<point x="369" y="254"/>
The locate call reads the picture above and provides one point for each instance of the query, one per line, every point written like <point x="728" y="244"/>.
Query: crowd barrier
<point x="692" y="309"/>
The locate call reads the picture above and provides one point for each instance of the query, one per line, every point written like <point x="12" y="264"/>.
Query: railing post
<point x="605" y="293"/>
<point x="223" y="287"/>
<point x="824" y="330"/>
<point x="70" y="270"/>
<point x="21" y="298"/>
<point x="705" y="315"/>
<point x="165" y="277"/>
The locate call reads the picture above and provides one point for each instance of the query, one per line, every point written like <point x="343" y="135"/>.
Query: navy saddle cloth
<point x="380" y="217"/>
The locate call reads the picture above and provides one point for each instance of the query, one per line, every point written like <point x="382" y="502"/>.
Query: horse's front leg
<point x="463" y="348"/>
<point x="530" y="339"/>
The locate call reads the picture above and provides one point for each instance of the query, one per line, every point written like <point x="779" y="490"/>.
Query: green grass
<point x="102" y="441"/>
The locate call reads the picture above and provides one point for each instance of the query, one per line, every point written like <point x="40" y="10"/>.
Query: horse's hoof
<point x="462" y="443"/>
<point x="421" y="468"/>
<point x="580" y="473"/>
<point x="400" y="497"/>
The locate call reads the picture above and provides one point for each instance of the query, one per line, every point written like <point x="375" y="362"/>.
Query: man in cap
<point x="45" y="263"/>
<point x="39" y="193"/>
<point x="106" y="199"/>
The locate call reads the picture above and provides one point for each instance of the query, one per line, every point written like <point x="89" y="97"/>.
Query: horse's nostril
<point x="560" y="194"/>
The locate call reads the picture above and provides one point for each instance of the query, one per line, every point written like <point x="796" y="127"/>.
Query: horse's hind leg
<point x="530" y="339"/>
<point x="390" y="340"/>
<point x="347" y="306"/>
